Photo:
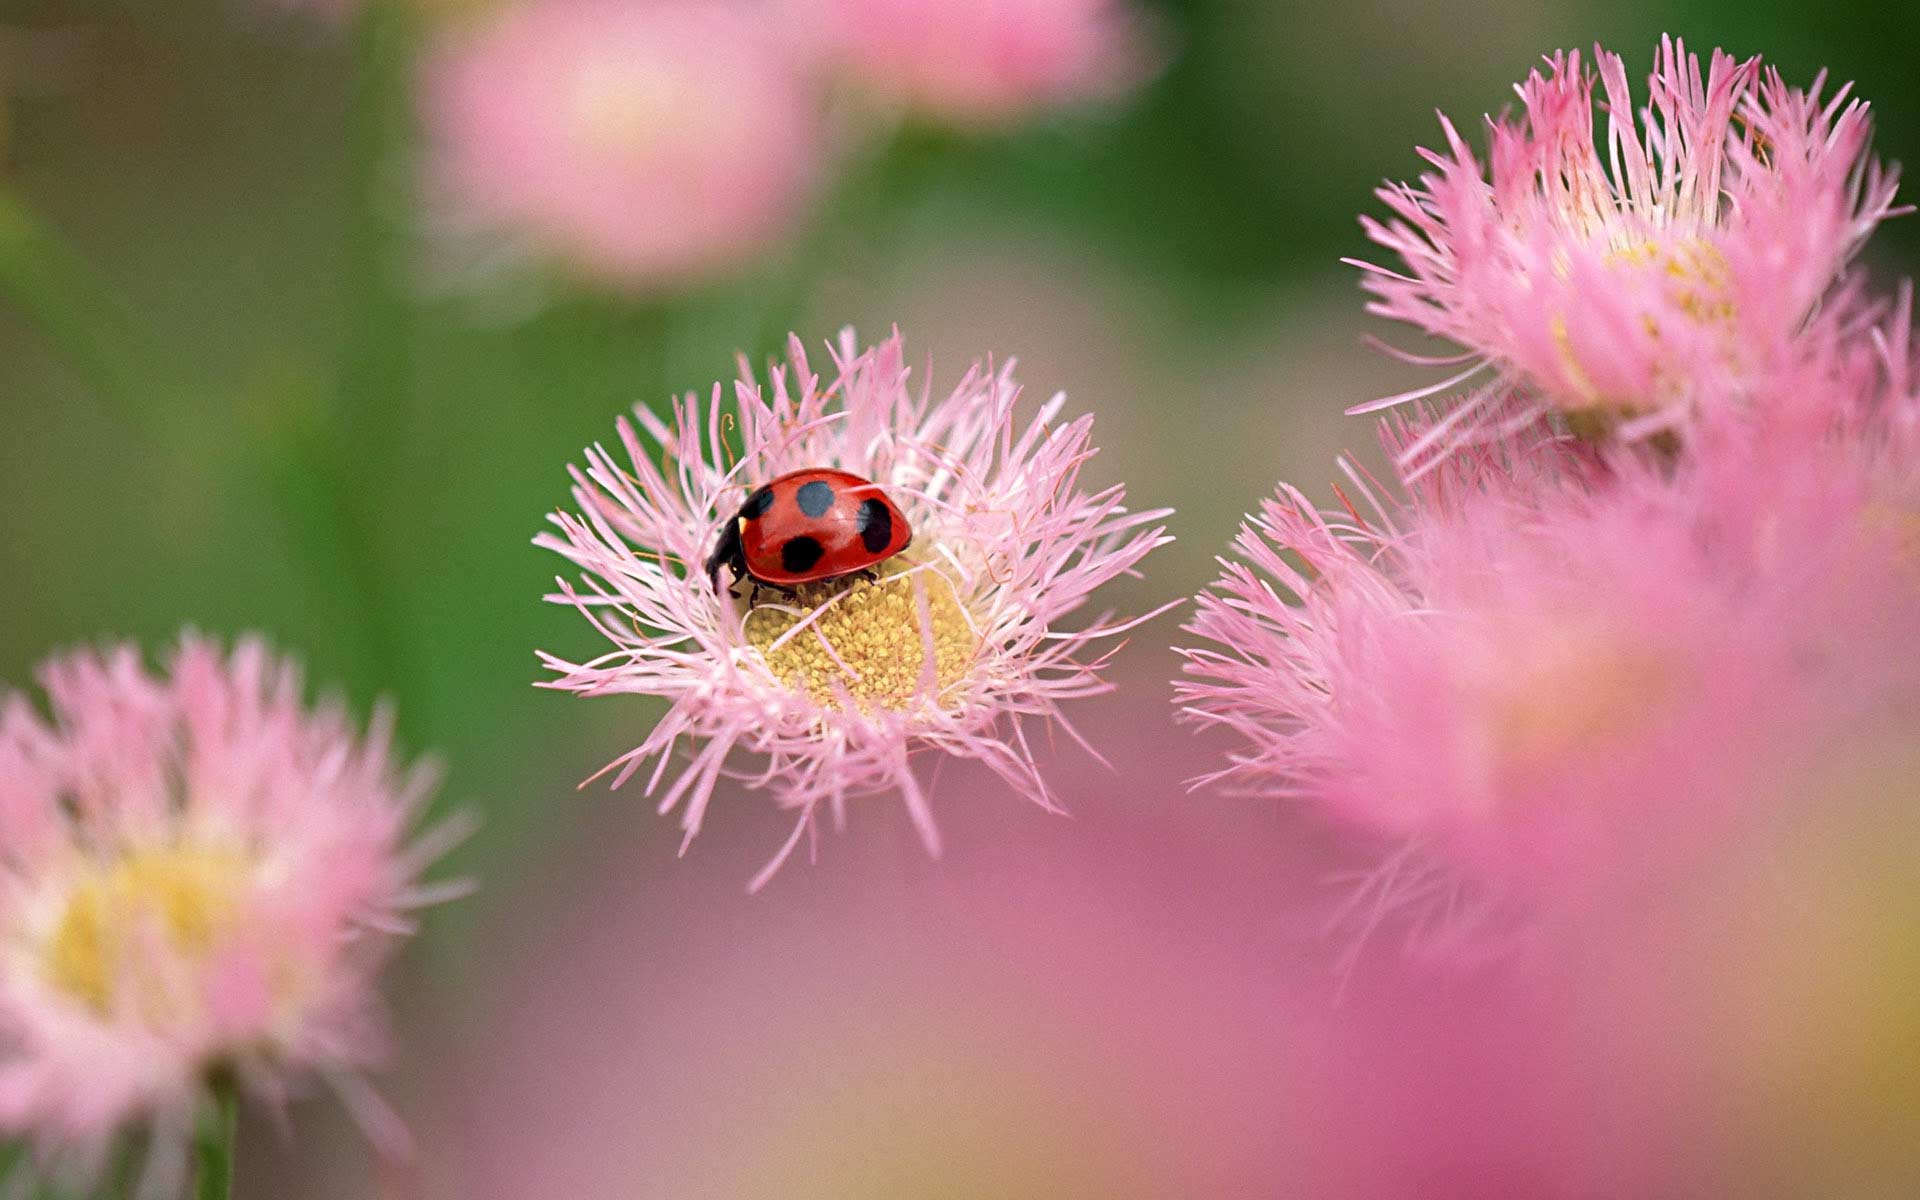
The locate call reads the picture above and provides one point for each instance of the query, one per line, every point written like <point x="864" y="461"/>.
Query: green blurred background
<point x="1172" y="264"/>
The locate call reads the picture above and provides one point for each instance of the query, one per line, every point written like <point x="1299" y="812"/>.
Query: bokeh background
<point x="1136" y="1001"/>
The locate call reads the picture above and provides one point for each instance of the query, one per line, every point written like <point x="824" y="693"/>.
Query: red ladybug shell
<point x="815" y="524"/>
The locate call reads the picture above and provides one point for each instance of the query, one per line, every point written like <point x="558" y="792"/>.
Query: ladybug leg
<point x="753" y="601"/>
<point x="871" y="576"/>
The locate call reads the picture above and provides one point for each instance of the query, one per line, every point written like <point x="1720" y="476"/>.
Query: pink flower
<point x="1892" y="420"/>
<point x="1547" y="670"/>
<point x="202" y="878"/>
<point x="955" y="649"/>
<point x="984" y="63"/>
<point x="641" y="145"/>
<point x="1122" y="1011"/>
<point x="1828" y="459"/>
<point x="1626" y="288"/>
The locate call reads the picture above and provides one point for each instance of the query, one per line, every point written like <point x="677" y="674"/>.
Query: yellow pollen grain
<point x="1707" y="298"/>
<point x="876" y="634"/>
<point x="186" y="896"/>
<point x="1700" y="270"/>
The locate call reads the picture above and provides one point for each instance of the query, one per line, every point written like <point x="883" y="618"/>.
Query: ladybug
<point x="809" y="525"/>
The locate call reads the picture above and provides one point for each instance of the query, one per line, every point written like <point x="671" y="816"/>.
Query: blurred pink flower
<point x="1766" y="1005"/>
<point x="955" y="649"/>
<point x="1126" y="1009"/>
<point x="1895" y="502"/>
<point x="1822" y="477"/>
<point x="642" y="144"/>
<point x="1546" y="669"/>
<point x="1626" y="288"/>
<point x="984" y="63"/>
<point x="203" y="877"/>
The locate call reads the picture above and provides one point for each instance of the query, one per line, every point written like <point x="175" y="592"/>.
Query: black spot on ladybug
<point x="757" y="504"/>
<point x="875" y="524"/>
<point x="815" y="498"/>
<point x="799" y="554"/>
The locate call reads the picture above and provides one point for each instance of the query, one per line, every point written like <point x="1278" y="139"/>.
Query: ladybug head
<point x="726" y="553"/>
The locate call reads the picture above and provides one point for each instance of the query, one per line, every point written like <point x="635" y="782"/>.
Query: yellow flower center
<point x="1703" y="286"/>
<point x="631" y="114"/>
<point x="870" y="641"/>
<point x="1701" y="289"/>
<point x="174" y="901"/>
<point x="1550" y="695"/>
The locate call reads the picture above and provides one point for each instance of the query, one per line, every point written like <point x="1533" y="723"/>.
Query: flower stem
<point x="214" y="1146"/>
<point x="59" y="292"/>
<point x="377" y="371"/>
<point x="378" y="365"/>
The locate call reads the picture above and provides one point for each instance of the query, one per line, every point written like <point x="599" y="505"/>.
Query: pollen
<point x="870" y="641"/>
<point x="119" y="918"/>
<point x="1704" y="282"/>
<point x="1700" y="280"/>
<point x="1700" y="286"/>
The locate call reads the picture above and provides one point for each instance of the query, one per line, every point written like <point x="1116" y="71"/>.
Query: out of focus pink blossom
<point x="1545" y="670"/>
<point x="1627" y="285"/>
<point x="203" y="876"/>
<point x="639" y="144"/>
<point x="1765" y="1007"/>
<point x="983" y="63"/>
<point x="1134" y="1009"/>
<point x="1121" y="1007"/>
